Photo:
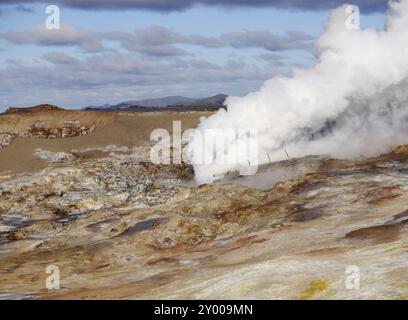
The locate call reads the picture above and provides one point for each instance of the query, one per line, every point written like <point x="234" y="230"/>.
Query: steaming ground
<point x="268" y="175"/>
<point x="353" y="102"/>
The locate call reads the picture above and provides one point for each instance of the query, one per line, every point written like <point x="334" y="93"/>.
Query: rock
<point x="53" y="156"/>
<point x="72" y="123"/>
<point x="400" y="149"/>
<point x="39" y="125"/>
<point x="39" y="130"/>
<point x="5" y="140"/>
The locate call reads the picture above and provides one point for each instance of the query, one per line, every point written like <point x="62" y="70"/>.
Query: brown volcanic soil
<point x="121" y="129"/>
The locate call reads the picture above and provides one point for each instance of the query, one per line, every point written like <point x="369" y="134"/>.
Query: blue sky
<point x="119" y="54"/>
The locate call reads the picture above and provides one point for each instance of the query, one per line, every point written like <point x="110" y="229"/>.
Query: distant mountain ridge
<point x="170" y="102"/>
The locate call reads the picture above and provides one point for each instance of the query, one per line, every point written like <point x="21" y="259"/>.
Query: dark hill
<point x="175" y="103"/>
<point x="37" y="108"/>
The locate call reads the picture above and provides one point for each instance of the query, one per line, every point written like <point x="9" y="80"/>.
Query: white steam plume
<point x="353" y="102"/>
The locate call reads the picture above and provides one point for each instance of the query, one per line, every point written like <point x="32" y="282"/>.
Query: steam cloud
<point x="352" y="102"/>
